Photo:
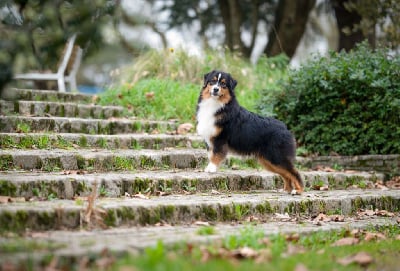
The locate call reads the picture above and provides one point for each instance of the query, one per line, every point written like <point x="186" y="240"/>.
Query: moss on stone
<point x="45" y="220"/>
<point x="6" y="161"/>
<point x="209" y="213"/>
<point x="168" y="212"/>
<point x="110" y="218"/>
<point x="83" y="142"/>
<point x="7" y="188"/>
<point x="227" y="213"/>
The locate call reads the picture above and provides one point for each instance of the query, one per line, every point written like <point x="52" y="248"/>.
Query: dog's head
<point x="218" y="85"/>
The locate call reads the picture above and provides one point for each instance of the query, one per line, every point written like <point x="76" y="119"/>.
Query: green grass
<point x="316" y="253"/>
<point x="165" y="85"/>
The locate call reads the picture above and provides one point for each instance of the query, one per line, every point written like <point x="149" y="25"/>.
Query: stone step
<point x="186" y="209"/>
<point x="123" y="141"/>
<point x="59" y="109"/>
<point x="12" y="124"/>
<point x="73" y="246"/>
<point x="102" y="160"/>
<point x="16" y="94"/>
<point x="68" y="185"/>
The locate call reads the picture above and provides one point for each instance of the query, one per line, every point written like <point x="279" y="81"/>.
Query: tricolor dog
<point x="226" y="126"/>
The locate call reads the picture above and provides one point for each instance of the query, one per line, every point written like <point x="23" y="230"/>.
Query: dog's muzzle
<point x="215" y="91"/>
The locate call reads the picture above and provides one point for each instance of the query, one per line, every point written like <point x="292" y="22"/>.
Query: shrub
<point x="347" y="103"/>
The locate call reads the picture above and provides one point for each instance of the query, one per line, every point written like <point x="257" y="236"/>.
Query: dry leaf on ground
<point x="347" y="241"/>
<point x="374" y="236"/>
<point x="361" y="258"/>
<point x="141" y="196"/>
<point x="201" y="223"/>
<point x="184" y="128"/>
<point x="300" y="267"/>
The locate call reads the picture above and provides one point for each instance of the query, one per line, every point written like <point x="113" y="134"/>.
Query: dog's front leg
<point x="216" y="155"/>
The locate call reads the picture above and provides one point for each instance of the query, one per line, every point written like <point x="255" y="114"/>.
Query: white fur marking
<point x="211" y="168"/>
<point x="206" y="118"/>
<point x="219" y="77"/>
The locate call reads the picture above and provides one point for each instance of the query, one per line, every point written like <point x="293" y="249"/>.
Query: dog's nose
<point x="215" y="90"/>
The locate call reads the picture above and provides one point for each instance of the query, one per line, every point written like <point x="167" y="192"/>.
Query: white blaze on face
<point x="216" y="85"/>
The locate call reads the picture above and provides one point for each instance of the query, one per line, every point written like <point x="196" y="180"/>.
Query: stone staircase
<point x="73" y="173"/>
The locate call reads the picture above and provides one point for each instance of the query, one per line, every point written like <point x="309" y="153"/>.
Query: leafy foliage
<point x="347" y="103"/>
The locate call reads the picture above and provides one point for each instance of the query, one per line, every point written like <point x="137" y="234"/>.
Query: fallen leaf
<point x="162" y="193"/>
<point x="5" y="199"/>
<point x="140" y="196"/>
<point x="215" y="192"/>
<point x="384" y="213"/>
<point x="374" y="236"/>
<point x="337" y="218"/>
<point x="149" y="95"/>
<point x="244" y="253"/>
<point x="282" y="216"/>
<point x="347" y="241"/>
<point x="322" y="217"/>
<point x="201" y="223"/>
<point x="324" y="188"/>
<point x="300" y="267"/>
<point x="184" y="128"/>
<point x="361" y="258"/>
<point x="294" y="237"/>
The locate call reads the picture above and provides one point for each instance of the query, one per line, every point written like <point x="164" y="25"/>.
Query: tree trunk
<point x="232" y="18"/>
<point x="289" y="26"/>
<point x="348" y="37"/>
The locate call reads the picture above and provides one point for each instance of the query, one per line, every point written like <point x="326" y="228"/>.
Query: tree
<point x="289" y="25"/>
<point x="34" y="32"/>
<point x="359" y="20"/>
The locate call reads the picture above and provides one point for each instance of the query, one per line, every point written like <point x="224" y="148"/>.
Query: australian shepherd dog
<point x="226" y="126"/>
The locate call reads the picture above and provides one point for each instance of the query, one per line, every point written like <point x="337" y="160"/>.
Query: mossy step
<point x="123" y="141"/>
<point x="59" y="109"/>
<point x="116" y="184"/>
<point x="12" y="124"/>
<point x="186" y="209"/>
<point x="73" y="246"/>
<point x="101" y="160"/>
<point x="15" y="94"/>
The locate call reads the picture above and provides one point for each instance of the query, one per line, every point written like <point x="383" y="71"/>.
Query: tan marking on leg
<point x="290" y="181"/>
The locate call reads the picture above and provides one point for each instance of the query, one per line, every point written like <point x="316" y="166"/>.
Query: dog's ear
<point x="232" y="83"/>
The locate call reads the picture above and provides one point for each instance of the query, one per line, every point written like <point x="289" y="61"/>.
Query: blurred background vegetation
<point x="150" y="55"/>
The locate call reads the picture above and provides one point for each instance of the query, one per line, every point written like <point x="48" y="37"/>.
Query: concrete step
<point x="59" y="109"/>
<point x="16" y="94"/>
<point x="123" y="141"/>
<point x="72" y="246"/>
<point x="67" y="185"/>
<point x="186" y="209"/>
<point x="13" y="124"/>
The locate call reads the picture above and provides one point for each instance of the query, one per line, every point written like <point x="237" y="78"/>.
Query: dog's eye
<point x="223" y="85"/>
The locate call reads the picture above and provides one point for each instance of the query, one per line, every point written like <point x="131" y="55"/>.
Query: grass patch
<point x="279" y="252"/>
<point x="165" y="84"/>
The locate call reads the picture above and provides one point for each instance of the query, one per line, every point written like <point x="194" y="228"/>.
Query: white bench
<point x="67" y="68"/>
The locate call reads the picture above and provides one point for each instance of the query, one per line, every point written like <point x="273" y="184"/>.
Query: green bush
<point x="347" y="103"/>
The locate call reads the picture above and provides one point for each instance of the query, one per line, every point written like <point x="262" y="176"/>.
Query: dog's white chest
<point x="206" y="118"/>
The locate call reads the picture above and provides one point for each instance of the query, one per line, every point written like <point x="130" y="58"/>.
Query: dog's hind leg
<point x="293" y="183"/>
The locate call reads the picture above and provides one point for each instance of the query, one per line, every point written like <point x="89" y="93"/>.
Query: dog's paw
<point x="295" y="192"/>
<point x="211" y="168"/>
